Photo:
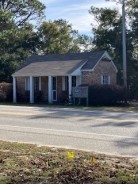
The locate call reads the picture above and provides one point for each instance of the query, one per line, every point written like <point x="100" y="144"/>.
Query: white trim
<point x="31" y="89"/>
<point x="105" y="54"/>
<point x="55" y="90"/>
<point x="70" y="85"/>
<point x="101" y="79"/>
<point x="87" y="70"/>
<point x="63" y="83"/>
<point x="14" y="90"/>
<point x="95" y="64"/>
<point x="111" y="60"/>
<point x="49" y="89"/>
<point x="99" y="61"/>
<point x="77" y="72"/>
<point x="108" y="79"/>
<point x="25" y="83"/>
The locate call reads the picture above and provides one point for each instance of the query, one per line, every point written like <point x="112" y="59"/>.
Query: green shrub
<point x="5" y="92"/>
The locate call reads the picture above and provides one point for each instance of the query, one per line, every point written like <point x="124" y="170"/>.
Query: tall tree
<point x="23" y="11"/>
<point x="15" y="46"/>
<point x="57" y="37"/>
<point x="17" y="37"/>
<point x="107" y="32"/>
<point x="108" y="35"/>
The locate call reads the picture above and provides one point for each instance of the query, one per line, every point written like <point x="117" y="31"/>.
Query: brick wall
<point x="21" y="93"/>
<point x="94" y="77"/>
<point x="44" y="82"/>
<point x="20" y="83"/>
<point x="59" y="88"/>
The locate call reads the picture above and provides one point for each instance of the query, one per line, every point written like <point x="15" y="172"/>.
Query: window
<point x="54" y="88"/>
<point x="36" y="83"/>
<point x="105" y="79"/>
<point x="54" y="83"/>
<point x="66" y="83"/>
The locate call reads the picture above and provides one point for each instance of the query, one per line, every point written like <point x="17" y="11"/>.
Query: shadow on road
<point x="118" y="124"/>
<point x="121" y="120"/>
<point x="68" y="113"/>
<point x="127" y="145"/>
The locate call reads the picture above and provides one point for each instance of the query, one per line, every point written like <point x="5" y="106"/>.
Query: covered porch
<point x="46" y="89"/>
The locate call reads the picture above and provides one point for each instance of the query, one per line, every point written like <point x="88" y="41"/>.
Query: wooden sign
<point x="80" y="92"/>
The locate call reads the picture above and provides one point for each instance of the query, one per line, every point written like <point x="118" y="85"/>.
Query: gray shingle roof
<point x="58" y="64"/>
<point x="46" y="68"/>
<point x="92" y="60"/>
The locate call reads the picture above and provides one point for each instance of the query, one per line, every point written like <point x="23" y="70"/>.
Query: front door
<point x="54" y="88"/>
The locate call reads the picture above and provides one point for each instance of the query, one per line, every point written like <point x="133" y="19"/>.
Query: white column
<point x="31" y="90"/>
<point x="14" y="90"/>
<point x="40" y="85"/>
<point x="70" y="86"/>
<point x="49" y="89"/>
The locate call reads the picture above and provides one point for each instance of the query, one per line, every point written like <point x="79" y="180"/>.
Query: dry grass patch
<point x="30" y="164"/>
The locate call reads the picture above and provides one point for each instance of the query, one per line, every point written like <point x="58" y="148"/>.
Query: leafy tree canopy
<point x="23" y="11"/>
<point x="108" y="35"/>
<point x="57" y="37"/>
<point x="17" y="37"/>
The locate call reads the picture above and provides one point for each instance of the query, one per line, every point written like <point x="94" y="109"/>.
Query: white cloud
<point x="76" y="13"/>
<point x="48" y="2"/>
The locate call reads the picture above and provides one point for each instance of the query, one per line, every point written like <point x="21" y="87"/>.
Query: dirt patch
<point x="30" y="164"/>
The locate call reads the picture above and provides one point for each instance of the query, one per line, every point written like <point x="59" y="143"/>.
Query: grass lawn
<point x="31" y="164"/>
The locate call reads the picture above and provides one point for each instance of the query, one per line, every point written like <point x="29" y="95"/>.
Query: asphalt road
<point x="99" y="131"/>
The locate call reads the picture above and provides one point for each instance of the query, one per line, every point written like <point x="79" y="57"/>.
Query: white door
<point x="54" y="88"/>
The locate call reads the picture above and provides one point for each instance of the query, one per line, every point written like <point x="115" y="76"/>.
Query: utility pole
<point x="123" y="41"/>
<point x="124" y="44"/>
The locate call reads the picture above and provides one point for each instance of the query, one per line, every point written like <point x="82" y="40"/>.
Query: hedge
<point x="5" y="92"/>
<point x="107" y="95"/>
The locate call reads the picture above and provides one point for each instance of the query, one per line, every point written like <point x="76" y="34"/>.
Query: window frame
<point x="105" y="80"/>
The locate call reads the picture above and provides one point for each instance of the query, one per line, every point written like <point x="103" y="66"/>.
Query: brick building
<point x="50" y="78"/>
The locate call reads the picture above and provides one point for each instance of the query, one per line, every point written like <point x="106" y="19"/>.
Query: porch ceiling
<point x="49" y="68"/>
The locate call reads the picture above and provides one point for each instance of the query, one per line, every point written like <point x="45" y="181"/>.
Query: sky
<point x="75" y="12"/>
